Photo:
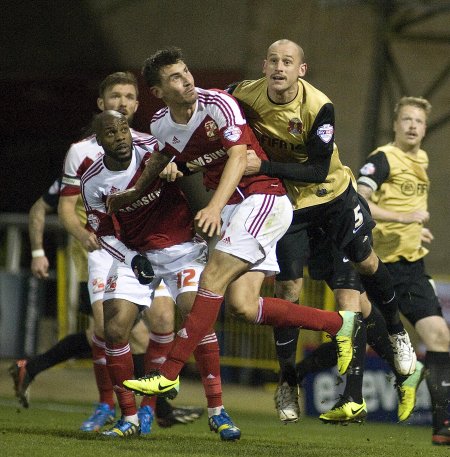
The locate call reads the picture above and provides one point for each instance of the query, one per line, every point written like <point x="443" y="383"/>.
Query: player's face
<point x="121" y="98"/>
<point x="177" y="87"/>
<point x="283" y="66"/>
<point x="115" y="137"/>
<point x="410" y="127"/>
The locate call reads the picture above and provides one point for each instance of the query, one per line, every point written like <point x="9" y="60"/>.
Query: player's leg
<point x="75" y="345"/>
<point x="292" y="251"/>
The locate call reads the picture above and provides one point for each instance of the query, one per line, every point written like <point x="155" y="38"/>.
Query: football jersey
<point x="159" y="218"/>
<point x="216" y="125"/>
<point x="400" y="183"/>
<point x="296" y="132"/>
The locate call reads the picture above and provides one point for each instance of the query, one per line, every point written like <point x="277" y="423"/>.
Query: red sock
<point x="282" y="313"/>
<point x="199" y="322"/>
<point x="158" y="347"/>
<point x="120" y="366"/>
<point x="102" y="378"/>
<point x="207" y="357"/>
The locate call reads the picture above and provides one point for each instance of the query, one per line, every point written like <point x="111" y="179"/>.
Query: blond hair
<point x="418" y="102"/>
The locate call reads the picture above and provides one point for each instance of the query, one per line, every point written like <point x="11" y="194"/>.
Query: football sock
<point x="282" y="313"/>
<point x="438" y="382"/>
<point x="102" y="376"/>
<point x="199" y="321"/>
<point x="120" y="367"/>
<point x="207" y="357"/>
<point x="380" y="289"/>
<point x="72" y="346"/>
<point x="322" y="357"/>
<point x="286" y="340"/>
<point x="354" y="381"/>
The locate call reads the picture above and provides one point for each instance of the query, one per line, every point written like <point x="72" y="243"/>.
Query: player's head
<point x="284" y="64"/>
<point x="169" y="77"/>
<point x="119" y="92"/>
<point x="410" y="122"/>
<point x="113" y="134"/>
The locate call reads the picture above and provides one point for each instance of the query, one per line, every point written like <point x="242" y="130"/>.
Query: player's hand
<point x="39" y="267"/>
<point x="253" y="163"/>
<point x="142" y="269"/>
<point x="89" y="241"/>
<point x="171" y="172"/>
<point x="416" y="216"/>
<point x="208" y="221"/>
<point x="426" y="235"/>
<point x="115" y="201"/>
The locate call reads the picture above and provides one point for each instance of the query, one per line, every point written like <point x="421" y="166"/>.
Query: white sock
<point x="215" y="411"/>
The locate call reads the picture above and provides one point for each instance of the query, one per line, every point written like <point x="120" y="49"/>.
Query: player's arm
<point x="154" y="165"/>
<point x="374" y="173"/>
<point x="69" y="218"/>
<point x="208" y="219"/>
<point x="36" y="225"/>
<point x="319" y="148"/>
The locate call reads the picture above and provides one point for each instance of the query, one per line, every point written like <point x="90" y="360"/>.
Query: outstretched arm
<point x="155" y="164"/>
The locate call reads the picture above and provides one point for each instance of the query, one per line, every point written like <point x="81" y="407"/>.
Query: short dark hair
<point x="119" y="77"/>
<point x="97" y="121"/>
<point x="161" y="58"/>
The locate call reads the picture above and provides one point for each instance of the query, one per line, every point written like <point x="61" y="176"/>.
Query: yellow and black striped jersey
<point x="401" y="184"/>
<point x="300" y="132"/>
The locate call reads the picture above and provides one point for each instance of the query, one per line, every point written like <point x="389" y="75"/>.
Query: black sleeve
<point x="375" y="171"/>
<point x="319" y="148"/>
<point x="51" y="196"/>
<point x="230" y="88"/>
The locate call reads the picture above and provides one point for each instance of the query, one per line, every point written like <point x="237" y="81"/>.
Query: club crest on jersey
<point x="232" y="133"/>
<point x="325" y="132"/>
<point x="212" y="131"/>
<point x="295" y="126"/>
<point x="368" y="169"/>
<point x="111" y="283"/>
<point x="93" y="221"/>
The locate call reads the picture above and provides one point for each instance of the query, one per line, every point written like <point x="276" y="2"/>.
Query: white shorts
<point x="251" y="229"/>
<point x="99" y="264"/>
<point x="178" y="266"/>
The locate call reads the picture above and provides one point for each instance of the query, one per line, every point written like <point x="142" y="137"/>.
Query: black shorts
<point x="292" y="251"/>
<point x="346" y="220"/>
<point x="84" y="303"/>
<point x="416" y="295"/>
<point x="327" y="263"/>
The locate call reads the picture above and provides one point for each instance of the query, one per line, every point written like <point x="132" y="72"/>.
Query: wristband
<point x="37" y="253"/>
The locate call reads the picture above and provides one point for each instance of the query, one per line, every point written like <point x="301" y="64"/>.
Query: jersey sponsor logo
<point x="232" y="133"/>
<point x="212" y="131"/>
<point x="325" y="132"/>
<point x="408" y="188"/>
<point x="98" y="285"/>
<point x="368" y="169"/>
<point x="143" y="201"/>
<point x="93" y="221"/>
<point x="295" y="126"/>
<point x="111" y="283"/>
<point x="206" y="159"/>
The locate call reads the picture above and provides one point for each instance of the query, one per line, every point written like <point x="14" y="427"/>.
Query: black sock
<point x="163" y="407"/>
<point x="75" y="345"/>
<point x="381" y="291"/>
<point x="286" y="346"/>
<point x="321" y="358"/>
<point x="438" y="379"/>
<point x="354" y="381"/>
<point x="378" y="339"/>
<point x="139" y="369"/>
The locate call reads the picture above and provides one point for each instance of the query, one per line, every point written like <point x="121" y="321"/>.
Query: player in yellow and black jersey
<point x="395" y="182"/>
<point x="294" y="122"/>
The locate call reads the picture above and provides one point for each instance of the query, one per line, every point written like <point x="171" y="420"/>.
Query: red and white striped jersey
<point x="216" y="125"/>
<point x="159" y="218"/>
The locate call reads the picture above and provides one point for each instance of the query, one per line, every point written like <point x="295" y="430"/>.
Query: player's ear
<point x="302" y="70"/>
<point x="101" y="104"/>
<point x="264" y="68"/>
<point x="136" y="106"/>
<point x="156" y="91"/>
